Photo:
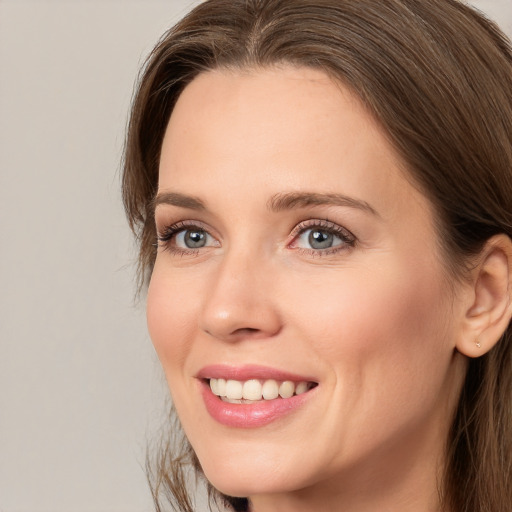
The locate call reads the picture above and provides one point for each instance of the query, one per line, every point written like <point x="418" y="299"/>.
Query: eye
<point x="321" y="236"/>
<point x="192" y="239"/>
<point x="185" y="238"/>
<point x="320" y="239"/>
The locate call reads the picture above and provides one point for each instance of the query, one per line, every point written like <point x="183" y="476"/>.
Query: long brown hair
<point x="438" y="77"/>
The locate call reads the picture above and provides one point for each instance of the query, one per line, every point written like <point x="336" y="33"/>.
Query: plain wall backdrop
<point x="80" y="386"/>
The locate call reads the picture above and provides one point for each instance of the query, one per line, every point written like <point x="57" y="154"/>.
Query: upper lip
<point x="249" y="371"/>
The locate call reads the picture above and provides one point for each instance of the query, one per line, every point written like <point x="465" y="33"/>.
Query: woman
<point x="322" y="191"/>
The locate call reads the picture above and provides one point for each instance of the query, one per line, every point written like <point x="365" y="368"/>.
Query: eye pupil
<point x="195" y="239"/>
<point x="320" y="239"/>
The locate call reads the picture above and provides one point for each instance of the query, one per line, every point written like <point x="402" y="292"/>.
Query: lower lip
<point x="250" y="415"/>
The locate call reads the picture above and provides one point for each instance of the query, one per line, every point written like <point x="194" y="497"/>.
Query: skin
<point x="375" y="323"/>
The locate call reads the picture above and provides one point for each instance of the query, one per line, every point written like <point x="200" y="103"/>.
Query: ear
<point x="490" y="309"/>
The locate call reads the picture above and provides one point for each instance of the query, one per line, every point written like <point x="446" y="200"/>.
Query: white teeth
<point x="270" y="390"/>
<point x="221" y="387"/>
<point x="302" y="387"/>
<point x="286" y="389"/>
<point x="214" y="386"/>
<point x="254" y="390"/>
<point x="234" y="389"/>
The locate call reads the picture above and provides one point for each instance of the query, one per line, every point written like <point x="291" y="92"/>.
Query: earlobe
<point x="490" y="312"/>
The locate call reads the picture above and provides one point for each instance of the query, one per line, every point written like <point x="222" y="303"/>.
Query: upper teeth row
<point x="256" y="390"/>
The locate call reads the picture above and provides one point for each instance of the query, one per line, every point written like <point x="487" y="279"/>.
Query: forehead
<point x="292" y="128"/>
<point x="283" y="105"/>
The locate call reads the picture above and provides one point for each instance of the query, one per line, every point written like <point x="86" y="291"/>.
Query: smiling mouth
<point x="256" y="390"/>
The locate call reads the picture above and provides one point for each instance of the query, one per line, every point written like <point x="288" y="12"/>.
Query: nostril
<point x="248" y="332"/>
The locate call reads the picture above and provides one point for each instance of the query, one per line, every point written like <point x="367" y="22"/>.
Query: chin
<point x="253" y="472"/>
<point x="240" y="484"/>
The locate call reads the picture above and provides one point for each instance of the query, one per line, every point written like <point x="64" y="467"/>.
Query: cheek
<point x="386" y="324"/>
<point x="370" y="302"/>
<point x="385" y="340"/>
<point x="170" y="318"/>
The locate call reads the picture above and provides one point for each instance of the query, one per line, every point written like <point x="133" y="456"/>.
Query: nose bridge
<point x="239" y="302"/>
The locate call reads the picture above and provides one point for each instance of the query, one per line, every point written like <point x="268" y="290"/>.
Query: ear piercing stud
<point x="478" y="344"/>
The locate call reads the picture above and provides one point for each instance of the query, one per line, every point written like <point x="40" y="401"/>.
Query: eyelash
<point x="347" y="238"/>
<point x="169" y="233"/>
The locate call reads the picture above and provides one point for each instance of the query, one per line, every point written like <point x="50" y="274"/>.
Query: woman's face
<point x="292" y="249"/>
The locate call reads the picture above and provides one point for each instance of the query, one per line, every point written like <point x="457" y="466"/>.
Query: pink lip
<point x="249" y="415"/>
<point x="246" y="372"/>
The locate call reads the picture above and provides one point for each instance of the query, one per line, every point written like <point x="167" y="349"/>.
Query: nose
<point x="241" y="303"/>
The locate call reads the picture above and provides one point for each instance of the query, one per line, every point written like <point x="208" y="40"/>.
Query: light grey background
<point x="80" y="386"/>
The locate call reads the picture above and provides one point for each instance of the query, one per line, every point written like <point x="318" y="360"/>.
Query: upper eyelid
<point x="299" y="228"/>
<point x="182" y="224"/>
<point x="168" y="232"/>
<point x="166" y="236"/>
<point x="324" y="224"/>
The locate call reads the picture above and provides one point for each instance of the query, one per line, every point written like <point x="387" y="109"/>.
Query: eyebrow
<point x="176" y="199"/>
<point x="294" y="200"/>
<point x="277" y="203"/>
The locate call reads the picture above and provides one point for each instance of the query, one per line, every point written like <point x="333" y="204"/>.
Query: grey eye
<point x="318" y="239"/>
<point x="193" y="239"/>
